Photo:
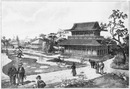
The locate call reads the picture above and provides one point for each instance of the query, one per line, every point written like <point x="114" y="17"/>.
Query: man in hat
<point x="21" y="73"/>
<point x="12" y="72"/>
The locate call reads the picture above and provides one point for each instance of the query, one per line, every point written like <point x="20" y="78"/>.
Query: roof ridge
<point x="86" y="22"/>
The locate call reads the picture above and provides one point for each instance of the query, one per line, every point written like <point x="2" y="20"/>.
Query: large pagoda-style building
<point x="85" y="40"/>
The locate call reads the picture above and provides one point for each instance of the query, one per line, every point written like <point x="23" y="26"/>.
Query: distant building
<point x="14" y="43"/>
<point x="37" y="44"/>
<point x="85" y="40"/>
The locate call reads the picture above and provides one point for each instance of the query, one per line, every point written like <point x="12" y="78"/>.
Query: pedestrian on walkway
<point x="73" y="67"/>
<point x="21" y="74"/>
<point x="40" y="83"/>
<point x="92" y="63"/>
<point x="19" y="53"/>
<point x="101" y="67"/>
<point x="12" y="72"/>
<point x="97" y="67"/>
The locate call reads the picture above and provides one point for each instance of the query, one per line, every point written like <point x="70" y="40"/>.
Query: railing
<point x="85" y="37"/>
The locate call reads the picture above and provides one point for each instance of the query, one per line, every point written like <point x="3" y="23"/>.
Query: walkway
<point x="58" y="76"/>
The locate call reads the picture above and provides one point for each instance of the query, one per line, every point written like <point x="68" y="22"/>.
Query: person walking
<point x="73" y="67"/>
<point x="21" y="74"/>
<point x="12" y="72"/>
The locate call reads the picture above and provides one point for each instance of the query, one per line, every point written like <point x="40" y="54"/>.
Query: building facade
<point x="85" y="40"/>
<point x="37" y="45"/>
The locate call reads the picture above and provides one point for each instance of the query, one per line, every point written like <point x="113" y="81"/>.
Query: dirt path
<point x="58" y="76"/>
<point x="108" y="68"/>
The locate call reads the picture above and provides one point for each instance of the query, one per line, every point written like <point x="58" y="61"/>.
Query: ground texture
<point x="53" y="72"/>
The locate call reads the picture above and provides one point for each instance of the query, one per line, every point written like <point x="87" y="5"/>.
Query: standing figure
<point x="101" y="67"/>
<point x="40" y="83"/>
<point x="21" y="74"/>
<point x="12" y="72"/>
<point x="19" y="53"/>
<point x="97" y="67"/>
<point x="92" y="63"/>
<point x="73" y="67"/>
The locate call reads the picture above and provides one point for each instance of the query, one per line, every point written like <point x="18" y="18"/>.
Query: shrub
<point x="78" y="82"/>
<point x="117" y="63"/>
<point x="118" y="60"/>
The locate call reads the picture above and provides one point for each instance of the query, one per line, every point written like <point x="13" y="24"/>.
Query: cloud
<point x="31" y="19"/>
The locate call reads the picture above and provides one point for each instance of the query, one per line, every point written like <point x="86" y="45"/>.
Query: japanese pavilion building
<point x="85" y="40"/>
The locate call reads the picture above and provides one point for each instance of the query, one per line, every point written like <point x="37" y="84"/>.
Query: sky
<point x="29" y="19"/>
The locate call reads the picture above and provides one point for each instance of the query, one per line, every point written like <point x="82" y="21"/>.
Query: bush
<point x="78" y="82"/>
<point x="118" y="60"/>
<point x="117" y="63"/>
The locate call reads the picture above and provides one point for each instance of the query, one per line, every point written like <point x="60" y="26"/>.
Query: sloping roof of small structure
<point x="38" y="41"/>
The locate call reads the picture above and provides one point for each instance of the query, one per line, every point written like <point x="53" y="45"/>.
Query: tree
<point x="61" y="35"/>
<point x="117" y="28"/>
<point x="111" y="44"/>
<point x="6" y="43"/>
<point x="126" y="44"/>
<point x="52" y="41"/>
<point x="3" y="40"/>
<point x="17" y="39"/>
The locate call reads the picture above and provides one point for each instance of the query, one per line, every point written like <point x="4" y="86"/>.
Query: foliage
<point x="117" y="28"/>
<point x="118" y="60"/>
<point x="112" y="45"/>
<point x="117" y="63"/>
<point x="76" y="82"/>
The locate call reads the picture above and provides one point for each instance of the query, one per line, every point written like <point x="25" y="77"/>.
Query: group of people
<point x="98" y="65"/>
<point x="16" y="75"/>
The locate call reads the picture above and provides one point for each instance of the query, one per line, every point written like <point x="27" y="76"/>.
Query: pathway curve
<point x="108" y="68"/>
<point x="58" y="76"/>
<point x="4" y="60"/>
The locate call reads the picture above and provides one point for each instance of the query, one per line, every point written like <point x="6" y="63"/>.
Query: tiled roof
<point x="85" y="26"/>
<point x="80" y="42"/>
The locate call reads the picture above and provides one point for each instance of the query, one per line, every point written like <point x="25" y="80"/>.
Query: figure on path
<point x="97" y="67"/>
<point x="93" y="63"/>
<point x="21" y="74"/>
<point x="12" y="72"/>
<point x="101" y="67"/>
<point x="19" y="53"/>
<point x="73" y="67"/>
<point x="40" y="83"/>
